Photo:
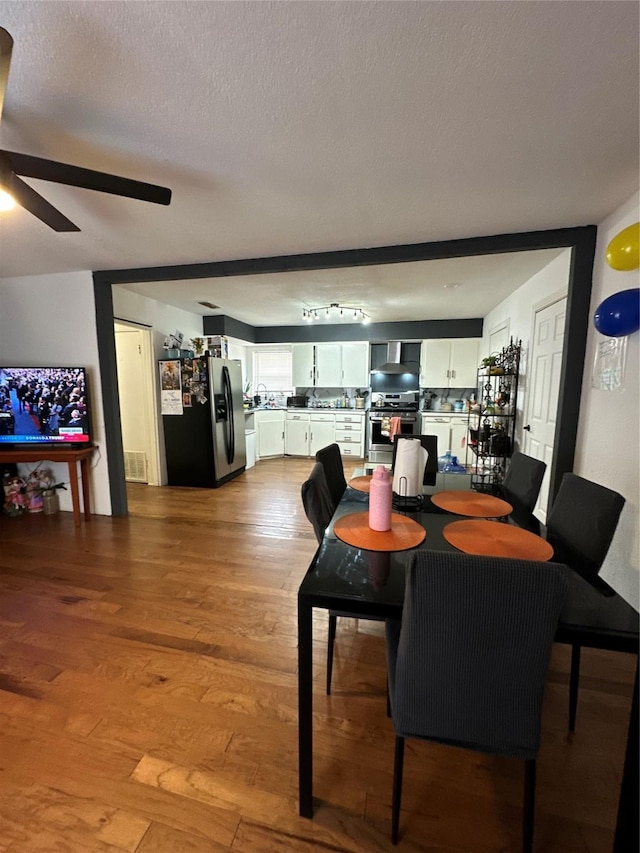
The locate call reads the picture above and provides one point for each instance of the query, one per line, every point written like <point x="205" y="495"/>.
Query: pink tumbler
<point x="380" y="499"/>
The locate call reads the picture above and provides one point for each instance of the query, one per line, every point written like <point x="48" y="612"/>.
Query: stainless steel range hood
<point x="393" y="364"/>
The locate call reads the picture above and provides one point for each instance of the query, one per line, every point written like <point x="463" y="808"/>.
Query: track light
<point x="310" y="314"/>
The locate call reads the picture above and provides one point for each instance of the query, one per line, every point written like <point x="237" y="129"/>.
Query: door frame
<point x="581" y="240"/>
<point x="503" y="324"/>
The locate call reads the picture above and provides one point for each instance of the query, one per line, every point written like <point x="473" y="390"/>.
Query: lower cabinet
<point x="270" y="433"/>
<point x="350" y="434"/>
<point x="322" y="432"/>
<point x="308" y="432"/>
<point x="450" y="431"/>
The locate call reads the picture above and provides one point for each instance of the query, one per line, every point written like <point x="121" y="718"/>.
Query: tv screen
<point x="44" y="405"/>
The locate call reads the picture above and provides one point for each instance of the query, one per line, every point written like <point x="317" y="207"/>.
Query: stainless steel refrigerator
<point x="203" y="420"/>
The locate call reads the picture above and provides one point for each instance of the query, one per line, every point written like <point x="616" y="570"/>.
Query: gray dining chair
<point x="467" y="663"/>
<point x="583" y="519"/>
<point x="316" y="501"/>
<point x="521" y="487"/>
<point x="319" y="507"/>
<point x="331" y="460"/>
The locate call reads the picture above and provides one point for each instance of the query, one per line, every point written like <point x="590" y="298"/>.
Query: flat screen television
<point x="46" y="406"/>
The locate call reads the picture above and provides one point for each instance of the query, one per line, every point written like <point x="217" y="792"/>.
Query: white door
<point x="498" y="338"/>
<point x="544" y="379"/>
<point x="136" y="375"/>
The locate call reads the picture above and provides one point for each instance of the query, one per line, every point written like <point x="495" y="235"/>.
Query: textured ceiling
<point x="294" y="127"/>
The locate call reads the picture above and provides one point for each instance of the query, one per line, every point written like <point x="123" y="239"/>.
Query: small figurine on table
<point x="14" y="497"/>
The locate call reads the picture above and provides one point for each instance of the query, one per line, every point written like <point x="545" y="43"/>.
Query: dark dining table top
<point x="345" y="577"/>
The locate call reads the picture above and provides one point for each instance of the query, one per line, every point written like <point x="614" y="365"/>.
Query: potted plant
<point x="490" y="364"/>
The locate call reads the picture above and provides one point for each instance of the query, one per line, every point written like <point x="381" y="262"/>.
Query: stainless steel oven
<point x="387" y="406"/>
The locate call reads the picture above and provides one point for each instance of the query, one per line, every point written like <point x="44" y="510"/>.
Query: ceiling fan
<point x="13" y="165"/>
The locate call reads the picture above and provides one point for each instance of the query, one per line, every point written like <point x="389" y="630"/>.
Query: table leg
<point x="305" y="708"/>
<point x="86" y="496"/>
<point x="75" y="492"/>
<point x="627" y="823"/>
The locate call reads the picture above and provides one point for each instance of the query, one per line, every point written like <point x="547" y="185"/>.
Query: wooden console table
<point x="71" y="457"/>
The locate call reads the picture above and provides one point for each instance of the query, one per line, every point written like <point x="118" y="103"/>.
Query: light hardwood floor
<point x="148" y="698"/>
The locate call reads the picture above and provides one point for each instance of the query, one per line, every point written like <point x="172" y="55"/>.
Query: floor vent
<point x="135" y="466"/>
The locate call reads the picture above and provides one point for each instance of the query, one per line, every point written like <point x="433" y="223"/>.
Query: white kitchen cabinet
<point x="296" y="434"/>
<point x="350" y="434"/>
<point x="328" y="366"/>
<point x="355" y="365"/>
<point x="459" y="430"/>
<point x="449" y="363"/>
<point x="270" y="432"/>
<point x="302" y="363"/>
<point x="322" y="432"/>
<point x="451" y="432"/>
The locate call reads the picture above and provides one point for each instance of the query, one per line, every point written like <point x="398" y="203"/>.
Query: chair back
<point x="316" y="501"/>
<point x="430" y="444"/>
<point x="521" y="485"/>
<point x="331" y="460"/>
<point x="581" y="524"/>
<point x="473" y="650"/>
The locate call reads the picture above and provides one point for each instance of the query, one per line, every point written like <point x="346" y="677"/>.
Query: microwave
<point x="297" y="402"/>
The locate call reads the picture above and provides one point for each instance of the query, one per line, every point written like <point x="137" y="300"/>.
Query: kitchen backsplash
<point x="432" y="399"/>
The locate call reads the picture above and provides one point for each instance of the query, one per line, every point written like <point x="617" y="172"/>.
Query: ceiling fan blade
<point x="6" y="46"/>
<point x="34" y="202"/>
<point x="75" y="176"/>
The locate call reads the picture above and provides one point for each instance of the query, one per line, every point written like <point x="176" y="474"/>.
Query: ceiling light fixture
<point x="7" y="202"/>
<point x="311" y="314"/>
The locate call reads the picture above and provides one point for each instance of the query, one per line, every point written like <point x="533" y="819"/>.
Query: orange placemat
<point x="354" y="530"/>
<point x="495" y="539"/>
<point x="468" y="502"/>
<point x="361" y="484"/>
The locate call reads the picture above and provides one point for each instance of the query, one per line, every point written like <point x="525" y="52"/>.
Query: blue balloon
<point x="619" y="314"/>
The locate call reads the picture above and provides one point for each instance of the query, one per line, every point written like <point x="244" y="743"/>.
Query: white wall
<point x="518" y="311"/>
<point x="608" y="433"/>
<point x="163" y="319"/>
<point x="50" y="320"/>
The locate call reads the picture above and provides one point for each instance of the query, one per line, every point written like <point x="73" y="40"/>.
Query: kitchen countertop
<point x="307" y="410"/>
<point x="444" y="414"/>
<point x="331" y="409"/>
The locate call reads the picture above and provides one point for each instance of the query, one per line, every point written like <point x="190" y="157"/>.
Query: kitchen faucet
<point x="266" y="392"/>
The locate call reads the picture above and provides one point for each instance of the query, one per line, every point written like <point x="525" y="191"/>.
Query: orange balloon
<point x="623" y="252"/>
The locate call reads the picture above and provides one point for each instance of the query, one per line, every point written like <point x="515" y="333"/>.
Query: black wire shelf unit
<point x="492" y="427"/>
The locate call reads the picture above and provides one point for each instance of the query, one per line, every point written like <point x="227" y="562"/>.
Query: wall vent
<point x="208" y="305"/>
<point x="135" y="466"/>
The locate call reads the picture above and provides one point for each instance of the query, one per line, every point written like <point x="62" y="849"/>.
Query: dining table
<point x="370" y="583"/>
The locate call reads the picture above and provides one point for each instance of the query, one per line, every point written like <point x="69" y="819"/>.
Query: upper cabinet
<point x="449" y="363"/>
<point x="331" y="365"/>
<point x="355" y="365"/>
<point x="302" y="356"/>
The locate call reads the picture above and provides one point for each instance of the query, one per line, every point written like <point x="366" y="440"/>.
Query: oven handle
<point x="406" y="419"/>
